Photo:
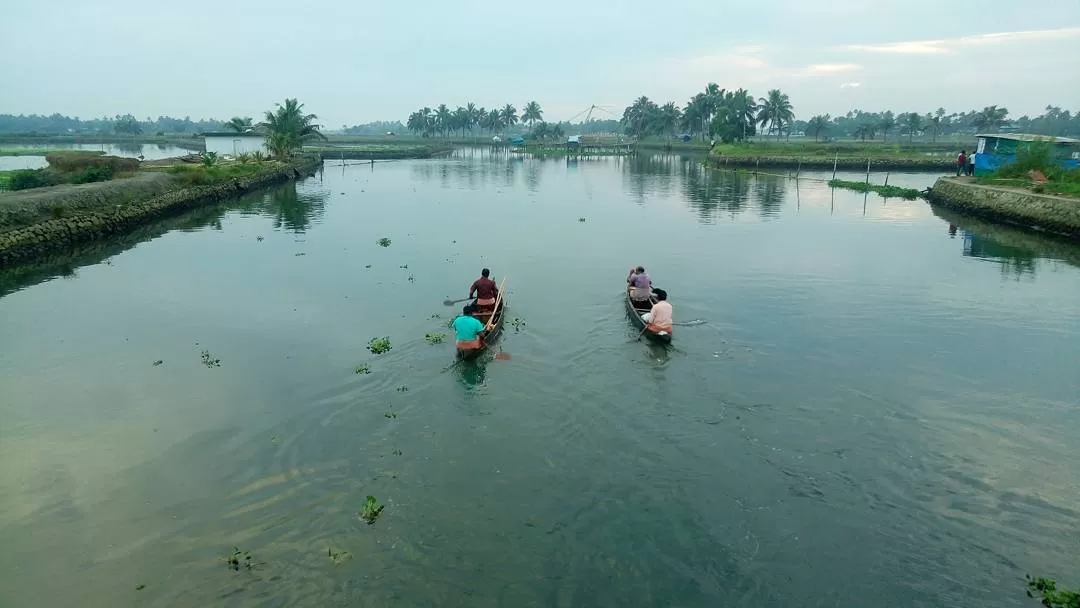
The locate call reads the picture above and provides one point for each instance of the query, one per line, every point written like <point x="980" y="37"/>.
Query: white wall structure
<point x="233" y="144"/>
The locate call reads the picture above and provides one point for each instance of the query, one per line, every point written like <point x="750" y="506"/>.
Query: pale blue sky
<point x="353" y="62"/>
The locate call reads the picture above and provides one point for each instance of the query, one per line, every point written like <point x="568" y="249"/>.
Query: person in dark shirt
<point x="485" y="291"/>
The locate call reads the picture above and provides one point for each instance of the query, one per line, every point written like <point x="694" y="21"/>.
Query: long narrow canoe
<point x="489" y="337"/>
<point x="662" y="337"/>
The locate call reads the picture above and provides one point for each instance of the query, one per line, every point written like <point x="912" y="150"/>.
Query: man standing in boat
<point x="640" y="287"/>
<point x="485" y="291"/>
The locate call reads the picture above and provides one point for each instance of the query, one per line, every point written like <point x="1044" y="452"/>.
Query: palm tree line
<point x="867" y="126"/>
<point x="714" y="112"/>
<point x="444" y="122"/>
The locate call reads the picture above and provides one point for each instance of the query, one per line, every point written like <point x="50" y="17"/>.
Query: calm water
<point x="148" y="152"/>
<point x="871" y="409"/>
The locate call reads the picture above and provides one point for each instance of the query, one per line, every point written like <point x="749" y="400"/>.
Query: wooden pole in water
<point x="868" y="171"/>
<point x="798" y="169"/>
<point x="886" y="178"/>
<point x="834" y="161"/>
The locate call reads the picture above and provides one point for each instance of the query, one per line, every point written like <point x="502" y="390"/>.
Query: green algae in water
<point x="435" y="337"/>
<point x="383" y="242"/>
<point x="379" y="346"/>
<point x="370" y="510"/>
<point x="210" y="361"/>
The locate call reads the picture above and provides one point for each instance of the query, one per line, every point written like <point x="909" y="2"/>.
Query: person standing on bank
<point x="485" y="291"/>
<point x="961" y="163"/>
<point x="640" y="287"/>
<point x="971" y="164"/>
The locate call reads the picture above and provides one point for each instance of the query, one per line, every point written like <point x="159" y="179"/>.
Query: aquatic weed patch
<point x="379" y="346"/>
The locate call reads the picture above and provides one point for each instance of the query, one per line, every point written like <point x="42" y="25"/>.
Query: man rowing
<point x="640" y="287"/>
<point x="468" y="329"/>
<point x="485" y="291"/>
<point x="660" y="317"/>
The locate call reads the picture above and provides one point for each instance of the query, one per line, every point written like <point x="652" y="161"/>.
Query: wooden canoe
<point x="487" y="338"/>
<point x="662" y="337"/>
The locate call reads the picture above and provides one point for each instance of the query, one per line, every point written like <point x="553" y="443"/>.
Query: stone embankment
<point x="24" y="243"/>
<point x="1044" y="212"/>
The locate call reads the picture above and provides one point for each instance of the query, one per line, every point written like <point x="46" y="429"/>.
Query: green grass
<point x="883" y="190"/>
<point x="5" y="179"/>
<point x="202" y="175"/>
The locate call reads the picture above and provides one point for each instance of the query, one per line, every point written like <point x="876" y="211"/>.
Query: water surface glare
<point x="876" y="406"/>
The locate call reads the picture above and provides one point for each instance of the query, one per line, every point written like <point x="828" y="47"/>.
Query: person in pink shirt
<point x="660" y="317"/>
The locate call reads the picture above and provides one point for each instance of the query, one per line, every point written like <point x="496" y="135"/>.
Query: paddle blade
<point x="450" y="302"/>
<point x="501" y="356"/>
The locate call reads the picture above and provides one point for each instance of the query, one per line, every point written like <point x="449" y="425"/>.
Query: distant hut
<point x="999" y="149"/>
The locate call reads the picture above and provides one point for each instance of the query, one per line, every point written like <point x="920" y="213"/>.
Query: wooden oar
<point x="452" y="302"/>
<point x="645" y="329"/>
<point x="498" y="299"/>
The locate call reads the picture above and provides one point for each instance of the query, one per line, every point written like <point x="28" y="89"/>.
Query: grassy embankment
<point x="377" y="149"/>
<point x="848" y="155"/>
<point x="71" y="184"/>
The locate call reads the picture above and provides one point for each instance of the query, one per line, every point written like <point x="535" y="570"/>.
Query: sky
<point x="360" y="61"/>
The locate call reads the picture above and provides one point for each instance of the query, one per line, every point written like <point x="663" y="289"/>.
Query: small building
<point x="573" y="142"/>
<point x="999" y="149"/>
<point x="232" y="144"/>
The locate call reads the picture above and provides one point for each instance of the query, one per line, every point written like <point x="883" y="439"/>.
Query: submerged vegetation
<point x="210" y="361"/>
<point x="379" y="346"/>
<point x="883" y="190"/>
<point x="1047" y="592"/>
<point x="435" y="337"/>
<point x="370" y="510"/>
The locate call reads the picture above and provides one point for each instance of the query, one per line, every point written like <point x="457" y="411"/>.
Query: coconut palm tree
<point x="886" y="123"/>
<point x="990" y="118"/>
<point x="532" y="113"/>
<point x="818" y="125"/>
<point x="287" y="128"/>
<point x="912" y="122"/>
<point x="667" y="119"/>
<point x="240" y="125"/>
<point x="508" y="115"/>
<point x="443" y="117"/>
<point x="473" y="116"/>
<point x="776" y="111"/>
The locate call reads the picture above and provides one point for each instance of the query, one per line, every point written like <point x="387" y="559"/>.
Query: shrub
<point x="209" y="159"/>
<point x="25" y="179"/>
<point x="70" y="162"/>
<point x="92" y="174"/>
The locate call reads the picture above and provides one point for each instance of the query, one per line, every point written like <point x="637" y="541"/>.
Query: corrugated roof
<point x="1030" y="137"/>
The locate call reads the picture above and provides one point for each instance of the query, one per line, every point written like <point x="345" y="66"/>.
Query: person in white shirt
<point x="660" y="317"/>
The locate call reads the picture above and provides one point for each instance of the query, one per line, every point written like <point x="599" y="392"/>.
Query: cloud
<point x="948" y="45"/>
<point x="850" y="85"/>
<point x="832" y="68"/>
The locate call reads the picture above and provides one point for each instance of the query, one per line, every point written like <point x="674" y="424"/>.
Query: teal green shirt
<point x="467" y="328"/>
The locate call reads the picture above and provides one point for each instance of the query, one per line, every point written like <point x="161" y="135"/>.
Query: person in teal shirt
<point x="468" y="328"/>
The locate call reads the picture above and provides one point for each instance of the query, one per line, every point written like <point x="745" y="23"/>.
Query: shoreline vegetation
<point x="39" y="222"/>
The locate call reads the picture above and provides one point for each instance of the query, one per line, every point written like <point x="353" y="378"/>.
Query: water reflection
<point x="712" y="192"/>
<point x="1019" y="252"/>
<point x="292" y="208"/>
